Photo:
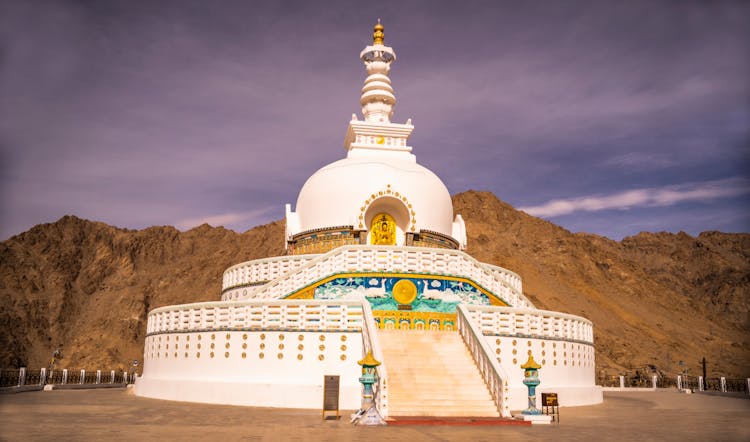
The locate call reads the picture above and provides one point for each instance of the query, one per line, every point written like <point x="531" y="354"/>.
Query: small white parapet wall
<point x="260" y="353"/>
<point x="562" y="344"/>
<point x="363" y="259"/>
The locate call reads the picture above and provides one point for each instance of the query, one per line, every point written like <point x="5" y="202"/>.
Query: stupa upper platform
<point x="378" y="194"/>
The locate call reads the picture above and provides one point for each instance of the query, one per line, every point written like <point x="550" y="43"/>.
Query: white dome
<point x="349" y="192"/>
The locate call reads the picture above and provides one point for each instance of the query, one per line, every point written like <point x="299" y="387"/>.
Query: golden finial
<point x="378" y="35"/>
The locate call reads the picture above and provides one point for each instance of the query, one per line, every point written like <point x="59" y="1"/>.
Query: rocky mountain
<point x="654" y="298"/>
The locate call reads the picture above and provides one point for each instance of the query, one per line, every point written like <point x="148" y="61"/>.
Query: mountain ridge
<point x="654" y="298"/>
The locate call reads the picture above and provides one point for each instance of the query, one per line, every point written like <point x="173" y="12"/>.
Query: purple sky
<point x="608" y="117"/>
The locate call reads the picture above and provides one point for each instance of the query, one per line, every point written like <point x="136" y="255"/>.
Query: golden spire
<point x="378" y="35"/>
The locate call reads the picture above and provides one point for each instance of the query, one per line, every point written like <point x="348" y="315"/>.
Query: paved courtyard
<point x="82" y="415"/>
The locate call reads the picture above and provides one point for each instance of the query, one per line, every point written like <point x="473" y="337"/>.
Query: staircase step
<point x="433" y="374"/>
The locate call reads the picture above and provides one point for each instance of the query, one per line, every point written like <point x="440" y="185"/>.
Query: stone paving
<point x="112" y="415"/>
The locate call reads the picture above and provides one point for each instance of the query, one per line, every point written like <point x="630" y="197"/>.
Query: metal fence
<point x="18" y="377"/>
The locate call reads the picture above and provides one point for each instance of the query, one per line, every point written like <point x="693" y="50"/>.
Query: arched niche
<point x="393" y="207"/>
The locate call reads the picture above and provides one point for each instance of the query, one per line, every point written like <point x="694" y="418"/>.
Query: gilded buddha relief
<point x="383" y="230"/>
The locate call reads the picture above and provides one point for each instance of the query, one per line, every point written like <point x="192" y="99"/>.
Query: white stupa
<point x="375" y="264"/>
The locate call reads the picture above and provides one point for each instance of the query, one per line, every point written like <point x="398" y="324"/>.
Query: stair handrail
<point x="372" y="343"/>
<point x="493" y="374"/>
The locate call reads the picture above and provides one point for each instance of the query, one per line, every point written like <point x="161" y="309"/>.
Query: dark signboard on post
<point x="330" y="394"/>
<point x="549" y="399"/>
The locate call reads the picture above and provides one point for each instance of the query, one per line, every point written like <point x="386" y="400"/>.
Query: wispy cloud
<point x="648" y="197"/>
<point x="247" y="219"/>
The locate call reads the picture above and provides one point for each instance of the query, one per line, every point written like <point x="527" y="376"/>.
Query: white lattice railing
<point x="493" y="374"/>
<point x="262" y="270"/>
<point x="280" y="315"/>
<point x="511" y="278"/>
<point x="391" y="259"/>
<point x="372" y="343"/>
<point x="533" y="323"/>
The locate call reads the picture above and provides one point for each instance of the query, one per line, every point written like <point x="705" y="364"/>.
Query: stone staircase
<point x="433" y="374"/>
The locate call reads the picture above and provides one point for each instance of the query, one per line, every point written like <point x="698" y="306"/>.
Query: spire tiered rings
<point x="377" y="94"/>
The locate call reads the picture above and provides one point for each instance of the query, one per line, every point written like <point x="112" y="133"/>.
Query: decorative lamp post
<point x="368" y="414"/>
<point x="531" y="380"/>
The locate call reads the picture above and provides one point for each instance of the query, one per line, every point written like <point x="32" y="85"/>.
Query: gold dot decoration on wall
<point x="529" y="352"/>
<point x="300" y="347"/>
<point x="322" y="347"/>
<point x="544" y="362"/>
<point x="514" y="342"/>
<point x="343" y="348"/>
<point x="321" y="357"/>
<point x="299" y="357"/>
<point x="261" y="355"/>
<point x="187" y="346"/>
<point x="226" y="354"/>
<point x="177" y="338"/>
<point x="212" y="354"/>
<point x="198" y="355"/>
<point x="301" y="337"/>
<point x="186" y="354"/>
<point x="554" y="345"/>
<point x="244" y="355"/>
<point x="213" y="346"/>
<point x="262" y="336"/>
<point x="200" y="337"/>
<point x="281" y="337"/>
<point x="515" y="351"/>
<point x="280" y="355"/>
<point x="262" y="346"/>
<point x="529" y="342"/>
<point x="343" y="357"/>
<point x="229" y="336"/>
<point x="281" y="346"/>
<point x="322" y="337"/>
<point x="497" y="351"/>
<point x="167" y="346"/>
<point x="542" y="344"/>
<point x="343" y="338"/>
<point x="244" y="345"/>
<point x="244" y="337"/>
<point x="187" y="338"/>
<point x="515" y="361"/>
<point x="213" y="336"/>
<point x="175" y="354"/>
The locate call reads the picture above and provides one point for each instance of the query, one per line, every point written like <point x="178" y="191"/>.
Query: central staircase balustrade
<point x="493" y="374"/>
<point x="372" y="343"/>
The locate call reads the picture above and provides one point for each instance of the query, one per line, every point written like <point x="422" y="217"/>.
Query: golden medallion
<point x="404" y="291"/>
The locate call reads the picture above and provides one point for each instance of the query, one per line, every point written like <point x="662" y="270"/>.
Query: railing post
<point x="679" y="382"/>
<point x="701" y="386"/>
<point x="622" y="380"/>
<point x="748" y="385"/>
<point x="42" y="376"/>
<point x="98" y="376"/>
<point x="83" y="377"/>
<point x="65" y="376"/>
<point x="653" y="382"/>
<point x="723" y="384"/>
<point x="112" y="377"/>
<point x="125" y="377"/>
<point x="21" y="376"/>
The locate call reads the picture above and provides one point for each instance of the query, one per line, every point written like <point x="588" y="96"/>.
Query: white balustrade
<point x="443" y="262"/>
<point x="295" y="314"/>
<point x="532" y="323"/>
<point x="262" y="270"/>
<point x="493" y="374"/>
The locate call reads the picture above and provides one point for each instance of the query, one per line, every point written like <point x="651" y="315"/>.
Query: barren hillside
<point x="655" y="298"/>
